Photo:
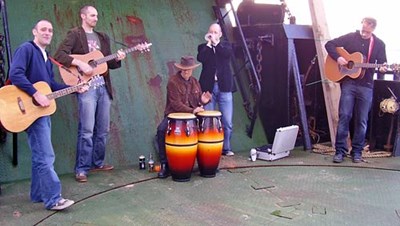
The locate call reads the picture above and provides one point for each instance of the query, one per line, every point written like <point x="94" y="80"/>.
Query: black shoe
<point x="338" y="158"/>
<point x="357" y="158"/>
<point x="164" y="171"/>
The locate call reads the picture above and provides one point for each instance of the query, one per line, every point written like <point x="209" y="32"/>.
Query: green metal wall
<point x="175" y="27"/>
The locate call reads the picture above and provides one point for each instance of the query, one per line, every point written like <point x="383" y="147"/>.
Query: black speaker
<point x="250" y="13"/>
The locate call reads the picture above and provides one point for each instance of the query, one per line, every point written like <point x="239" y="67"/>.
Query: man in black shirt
<point x="356" y="94"/>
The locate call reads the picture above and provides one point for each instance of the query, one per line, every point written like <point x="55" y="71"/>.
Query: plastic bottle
<point x="151" y="163"/>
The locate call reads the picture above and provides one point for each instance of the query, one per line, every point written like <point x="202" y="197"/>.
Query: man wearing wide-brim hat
<point x="183" y="95"/>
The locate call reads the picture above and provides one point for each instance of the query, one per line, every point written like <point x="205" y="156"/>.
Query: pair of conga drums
<point x="189" y="137"/>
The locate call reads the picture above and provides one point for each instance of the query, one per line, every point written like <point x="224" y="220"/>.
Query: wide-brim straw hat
<point x="187" y="63"/>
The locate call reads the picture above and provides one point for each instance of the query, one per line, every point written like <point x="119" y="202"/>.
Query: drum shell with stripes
<point x="181" y="145"/>
<point x="210" y="142"/>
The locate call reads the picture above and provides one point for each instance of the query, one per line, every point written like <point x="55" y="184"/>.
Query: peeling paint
<point x="134" y="20"/>
<point x="155" y="81"/>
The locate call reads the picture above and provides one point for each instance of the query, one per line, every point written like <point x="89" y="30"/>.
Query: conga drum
<point x="211" y="139"/>
<point x="181" y="145"/>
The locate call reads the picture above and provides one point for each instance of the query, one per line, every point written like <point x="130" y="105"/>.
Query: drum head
<point x="181" y="115"/>
<point x="210" y="113"/>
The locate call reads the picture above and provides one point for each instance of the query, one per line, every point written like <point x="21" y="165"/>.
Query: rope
<point x="328" y="150"/>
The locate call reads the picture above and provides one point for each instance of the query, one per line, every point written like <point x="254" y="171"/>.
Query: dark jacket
<point x="353" y="42"/>
<point x="182" y="96"/>
<point x="28" y="67"/>
<point x="76" y="43"/>
<point x="216" y="64"/>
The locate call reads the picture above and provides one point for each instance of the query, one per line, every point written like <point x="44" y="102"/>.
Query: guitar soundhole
<point x="92" y="63"/>
<point x="350" y="65"/>
<point x="35" y="102"/>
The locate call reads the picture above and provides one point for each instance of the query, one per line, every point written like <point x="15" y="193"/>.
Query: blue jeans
<point x="161" y="130"/>
<point x="45" y="184"/>
<point x="93" y="128"/>
<point x="225" y="105"/>
<point x="354" y="101"/>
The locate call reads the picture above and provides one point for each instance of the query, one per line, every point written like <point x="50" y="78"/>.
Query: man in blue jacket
<point x="31" y="64"/>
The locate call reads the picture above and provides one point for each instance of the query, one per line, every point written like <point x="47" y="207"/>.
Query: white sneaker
<point x="62" y="204"/>
<point x="228" y="153"/>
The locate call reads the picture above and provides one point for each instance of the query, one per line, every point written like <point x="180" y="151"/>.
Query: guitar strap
<point x="54" y="61"/>
<point x="371" y="46"/>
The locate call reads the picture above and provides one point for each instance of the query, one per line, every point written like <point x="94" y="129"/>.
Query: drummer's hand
<point x="197" y="110"/>
<point x="206" y="97"/>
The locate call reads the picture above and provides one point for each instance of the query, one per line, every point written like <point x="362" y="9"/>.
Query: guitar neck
<point x="114" y="56"/>
<point x="64" y="92"/>
<point x="368" y="65"/>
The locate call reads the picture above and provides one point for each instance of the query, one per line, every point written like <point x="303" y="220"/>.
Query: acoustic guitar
<point x="18" y="110"/>
<point x="354" y="68"/>
<point x="73" y="75"/>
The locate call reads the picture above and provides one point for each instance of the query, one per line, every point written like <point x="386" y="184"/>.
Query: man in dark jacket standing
<point x="94" y="105"/>
<point x="216" y="77"/>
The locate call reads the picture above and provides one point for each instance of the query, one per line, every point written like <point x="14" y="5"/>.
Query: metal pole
<point x="237" y="81"/>
<point x="294" y="69"/>
<point x="257" y="86"/>
<point x="9" y="57"/>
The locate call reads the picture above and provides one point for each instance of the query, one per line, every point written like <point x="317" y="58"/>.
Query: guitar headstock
<point x="96" y="81"/>
<point x="143" y="47"/>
